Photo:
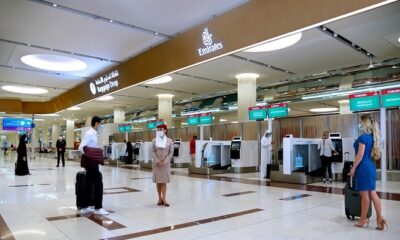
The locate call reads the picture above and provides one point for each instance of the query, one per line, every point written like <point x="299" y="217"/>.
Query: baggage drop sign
<point x="364" y="101"/>
<point x="391" y="98"/>
<point x="278" y="110"/>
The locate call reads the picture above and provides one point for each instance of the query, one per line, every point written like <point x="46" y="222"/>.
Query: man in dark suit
<point x="60" y="145"/>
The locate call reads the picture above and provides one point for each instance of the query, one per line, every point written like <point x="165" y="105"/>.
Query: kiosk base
<point x="148" y="165"/>
<point x="243" y="169"/>
<point x="206" y="171"/>
<point x="180" y="165"/>
<point x="295" y="177"/>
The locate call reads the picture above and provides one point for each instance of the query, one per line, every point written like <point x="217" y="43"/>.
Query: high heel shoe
<point x="165" y="203"/>
<point x="361" y="223"/>
<point x="382" y="225"/>
<point x="160" y="202"/>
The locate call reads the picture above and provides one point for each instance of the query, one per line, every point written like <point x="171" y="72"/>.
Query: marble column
<point x="247" y="94"/>
<point x="165" y="108"/>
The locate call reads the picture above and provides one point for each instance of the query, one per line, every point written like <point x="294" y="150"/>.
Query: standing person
<point x="162" y="151"/>
<point x="5" y="146"/>
<point x="60" y="145"/>
<point x="266" y="144"/>
<point x="367" y="148"/>
<point x="129" y="150"/>
<point x="21" y="166"/>
<point x="326" y="147"/>
<point x="93" y="175"/>
<point x="192" y="146"/>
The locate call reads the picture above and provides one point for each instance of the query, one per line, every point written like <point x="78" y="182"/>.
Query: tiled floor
<point x="199" y="209"/>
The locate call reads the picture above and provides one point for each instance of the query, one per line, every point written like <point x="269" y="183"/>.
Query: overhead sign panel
<point x="125" y="127"/>
<point x="193" y="120"/>
<point x="152" y="124"/>
<point x="257" y="113"/>
<point x="205" y="118"/>
<point x="277" y="110"/>
<point x="17" y="124"/>
<point x="364" y="101"/>
<point x="391" y="98"/>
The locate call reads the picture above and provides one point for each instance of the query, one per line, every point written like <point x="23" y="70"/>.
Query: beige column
<point x="165" y="108"/>
<point x="55" y="133"/>
<point x="344" y="107"/>
<point x="35" y="137"/>
<point x="45" y="135"/>
<point x="119" y="115"/>
<point x="247" y="94"/>
<point x="88" y="121"/>
<point x="70" y="133"/>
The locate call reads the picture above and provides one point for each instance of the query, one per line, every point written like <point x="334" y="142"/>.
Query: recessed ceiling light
<point x="74" y="108"/>
<point x="328" y="109"/>
<point x="398" y="39"/>
<point x="247" y="75"/>
<point x="48" y="115"/>
<point x="160" y="80"/>
<point x="54" y="62"/>
<point x="395" y="66"/>
<point x="39" y="120"/>
<point x="55" y="5"/>
<point x="25" y="90"/>
<point x="222" y="120"/>
<point x="234" y="122"/>
<point x="276" y="44"/>
<point x="105" y="98"/>
<point x="165" y="95"/>
<point x="343" y="101"/>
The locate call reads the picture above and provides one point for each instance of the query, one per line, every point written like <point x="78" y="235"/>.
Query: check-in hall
<point x="188" y="119"/>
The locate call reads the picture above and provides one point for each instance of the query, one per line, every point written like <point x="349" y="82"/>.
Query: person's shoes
<point x="63" y="165"/>
<point x="361" y="223"/>
<point x="165" y="203"/>
<point x="57" y="166"/>
<point x="86" y="210"/>
<point x="159" y="203"/>
<point x="381" y="225"/>
<point x="101" y="212"/>
<point x="330" y="180"/>
<point x="324" y="180"/>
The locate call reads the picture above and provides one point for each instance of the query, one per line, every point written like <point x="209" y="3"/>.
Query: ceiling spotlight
<point x="353" y="45"/>
<point x="105" y="98"/>
<point x="324" y="28"/>
<point x="111" y="20"/>
<point x="395" y="66"/>
<point x="368" y="54"/>
<point x="368" y="82"/>
<point x="371" y="65"/>
<point x="156" y="33"/>
<point x="319" y="80"/>
<point x="55" y="5"/>
<point x="398" y="39"/>
<point x="335" y="35"/>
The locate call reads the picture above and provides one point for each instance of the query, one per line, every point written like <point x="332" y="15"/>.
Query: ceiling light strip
<point x="345" y="41"/>
<point x="44" y="71"/>
<point x="59" y="51"/>
<point x="97" y="17"/>
<point x="170" y="90"/>
<point x="262" y="64"/>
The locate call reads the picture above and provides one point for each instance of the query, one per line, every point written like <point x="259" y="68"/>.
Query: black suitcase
<point x="80" y="190"/>
<point x="352" y="201"/>
<point x="346" y="170"/>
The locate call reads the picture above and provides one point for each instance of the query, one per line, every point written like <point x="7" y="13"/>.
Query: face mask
<point x="160" y="134"/>
<point x="360" y="127"/>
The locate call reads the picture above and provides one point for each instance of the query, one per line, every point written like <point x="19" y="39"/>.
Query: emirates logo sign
<point x="208" y="43"/>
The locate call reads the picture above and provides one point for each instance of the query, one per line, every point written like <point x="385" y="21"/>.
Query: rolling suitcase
<point x="352" y="201"/>
<point x="80" y="190"/>
<point x="347" y="165"/>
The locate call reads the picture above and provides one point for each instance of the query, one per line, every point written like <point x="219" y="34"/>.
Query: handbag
<point x="92" y="157"/>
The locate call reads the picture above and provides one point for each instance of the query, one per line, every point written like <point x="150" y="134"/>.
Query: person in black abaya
<point x="129" y="150"/>
<point x="21" y="166"/>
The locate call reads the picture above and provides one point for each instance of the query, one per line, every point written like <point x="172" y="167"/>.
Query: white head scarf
<point x="161" y="139"/>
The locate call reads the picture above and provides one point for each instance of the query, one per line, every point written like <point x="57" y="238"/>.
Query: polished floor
<point x="228" y="206"/>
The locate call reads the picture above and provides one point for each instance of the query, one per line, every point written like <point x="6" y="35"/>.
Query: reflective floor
<point x="42" y="206"/>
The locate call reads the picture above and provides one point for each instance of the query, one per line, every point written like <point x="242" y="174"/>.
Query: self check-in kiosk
<point x="337" y="156"/>
<point x="136" y="149"/>
<point x="235" y="147"/>
<point x="177" y="144"/>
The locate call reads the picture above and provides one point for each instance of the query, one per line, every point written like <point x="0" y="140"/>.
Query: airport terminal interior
<point x="246" y="90"/>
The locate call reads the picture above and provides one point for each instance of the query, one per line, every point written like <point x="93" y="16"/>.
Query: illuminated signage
<point x="364" y="101"/>
<point x="205" y="118"/>
<point x="125" y="127"/>
<point x="17" y="124"/>
<point x="152" y="124"/>
<point x="391" y="97"/>
<point x="193" y="120"/>
<point x="208" y="43"/>
<point x="257" y="113"/>
<point x="278" y="110"/>
<point x="104" y="83"/>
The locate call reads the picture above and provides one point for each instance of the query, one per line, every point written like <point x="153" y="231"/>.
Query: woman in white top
<point x="326" y="147"/>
